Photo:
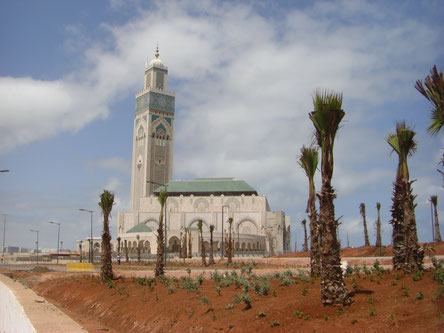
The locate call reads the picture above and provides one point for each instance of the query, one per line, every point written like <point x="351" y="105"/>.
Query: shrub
<point x="417" y="275"/>
<point x="217" y="290"/>
<point x="274" y="323"/>
<point x="170" y="289"/>
<point x="229" y="306"/>
<point x="372" y="311"/>
<point x="144" y="281"/>
<point x="261" y="286"/>
<point x="111" y="284"/>
<point x="245" y="298"/>
<point x="216" y="277"/>
<point x="298" y="314"/>
<point x="303" y="276"/>
<point x="261" y="314"/>
<point x="439" y="292"/>
<point x="304" y="292"/>
<point x="204" y="300"/>
<point x="286" y="280"/>
<point x="419" y="295"/>
<point x="370" y="300"/>
<point x="189" y="284"/>
<point x="200" y="279"/>
<point x="340" y="311"/>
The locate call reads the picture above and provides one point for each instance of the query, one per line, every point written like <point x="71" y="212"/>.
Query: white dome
<point x="156" y="62"/>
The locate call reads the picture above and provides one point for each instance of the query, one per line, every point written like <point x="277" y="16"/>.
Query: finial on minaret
<point x="157" y="51"/>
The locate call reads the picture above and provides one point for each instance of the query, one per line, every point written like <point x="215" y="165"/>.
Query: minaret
<point x="153" y="133"/>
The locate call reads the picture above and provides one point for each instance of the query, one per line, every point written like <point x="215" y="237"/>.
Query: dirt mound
<point x="41" y="269"/>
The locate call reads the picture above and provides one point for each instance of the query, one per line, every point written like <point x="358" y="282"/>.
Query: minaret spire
<point x="157" y="51"/>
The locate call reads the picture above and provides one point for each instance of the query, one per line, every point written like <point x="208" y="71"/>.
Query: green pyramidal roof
<point x="141" y="227"/>
<point x="208" y="186"/>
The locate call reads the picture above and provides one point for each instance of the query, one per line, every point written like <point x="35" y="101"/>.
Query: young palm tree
<point x="326" y="117"/>
<point x="362" y="211"/>
<point x="305" y="246"/>
<point x="190" y="243"/>
<point x="159" y="270"/>
<point x="407" y="254"/>
<point x="230" y="242"/>
<point x="138" y="248"/>
<point x="106" y="204"/>
<point x="437" y="236"/>
<point x="211" y="257"/>
<point x="434" y="92"/>
<point x="202" y="246"/>
<point x="80" y="251"/>
<point x="309" y="162"/>
<point x="118" y="245"/>
<point x="378" y="227"/>
<point x="126" y="251"/>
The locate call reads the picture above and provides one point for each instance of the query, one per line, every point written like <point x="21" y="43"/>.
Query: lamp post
<point x="91" y="257"/>
<point x="4" y="233"/>
<point x="58" y="238"/>
<point x="37" y="243"/>
<point x="165" y="248"/>
<point x="222" y="245"/>
<point x="431" y="216"/>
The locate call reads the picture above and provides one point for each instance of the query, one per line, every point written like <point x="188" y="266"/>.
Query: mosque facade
<point x="255" y="229"/>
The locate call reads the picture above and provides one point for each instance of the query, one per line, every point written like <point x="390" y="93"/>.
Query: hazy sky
<point x="244" y="73"/>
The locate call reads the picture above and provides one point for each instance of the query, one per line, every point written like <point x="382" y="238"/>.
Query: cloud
<point x="113" y="163"/>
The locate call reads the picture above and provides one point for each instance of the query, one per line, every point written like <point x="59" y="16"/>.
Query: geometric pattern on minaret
<point x="153" y="133"/>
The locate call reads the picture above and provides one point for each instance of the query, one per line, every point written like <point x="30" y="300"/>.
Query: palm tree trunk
<point x="230" y="250"/>
<point x="190" y="253"/>
<point x="106" y="272"/>
<point x="437" y="232"/>
<point x="126" y="251"/>
<point x="305" y="236"/>
<point x="202" y="248"/>
<point x="315" y="251"/>
<point x="366" y="240"/>
<point x="333" y="289"/>
<point x="211" y="257"/>
<point x="159" y="270"/>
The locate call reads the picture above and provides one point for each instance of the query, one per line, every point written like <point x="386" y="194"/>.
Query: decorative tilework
<point x="153" y="100"/>
<point x="160" y="127"/>
<point x="168" y="120"/>
<point x="154" y="118"/>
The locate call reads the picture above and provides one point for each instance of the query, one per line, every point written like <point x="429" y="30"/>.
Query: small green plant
<point x="419" y="295"/>
<point x="189" y="284"/>
<point x="274" y="293"/>
<point x="354" y="321"/>
<point x="366" y="270"/>
<point x="217" y="290"/>
<point x="325" y="317"/>
<point x="394" y="283"/>
<point x="303" y="276"/>
<point x="372" y="311"/>
<point x="437" y="271"/>
<point x="417" y="276"/>
<point x="121" y="290"/>
<point x="397" y="276"/>
<point x="274" y="323"/>
<point x="229" y="306"/>
<point x="216" y="277"/>
<point x="377" y="268"/>
<point x="348" y="271"/>
<point x="111" y="284"/>
<point x="204" y="300"/>
<point x="370" y="300"/>
<point x="191" y="313"/>
<point x="189" y="272"/>
<point x="298" y="314"/>
<point x="304" y="292"/>
<point x="306" y="317"/>
<point x="355" y="286"/>
<point x="200" y="279"/>
<point x="439" y="292"/>
<point x="245" y="298"/>
<point x="406" y="293"/>
<point x="340" y="311"/>
<point x="213" y="316"/>
<point x="356" y="270"/>
<point x="170" y="289"/>
<point x="261" y="314"/>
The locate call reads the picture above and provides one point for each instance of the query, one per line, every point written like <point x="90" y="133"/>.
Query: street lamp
<point x="37" y="243"/>
<point x="58" y="238"/>
<point x="91" y="257"/>
<point x="222" y="246"/>
<point x="165" y="248"/>
<point x="4" y="232"/>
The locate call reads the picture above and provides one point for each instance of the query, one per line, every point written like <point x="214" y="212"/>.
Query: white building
<point x="256" y="229"/>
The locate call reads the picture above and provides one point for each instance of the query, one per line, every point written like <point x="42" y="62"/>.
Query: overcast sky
<point x="244" y="73"/>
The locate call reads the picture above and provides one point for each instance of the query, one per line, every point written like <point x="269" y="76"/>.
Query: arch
<point x="237" y="246"/>
<point x="207" y="246"/>
<point x="147" y="247"/>
<point x="243" y="246"/>
<point x="249" y="246"/>
<point x="201" y="205"/>
<point x="233" y="203"/>
<point x="172" y="205"/>
<point x="173" y="244"/>
<point x="152" y="223"/>
<point x="247" y="226"/>
<point x="193" y="224"/>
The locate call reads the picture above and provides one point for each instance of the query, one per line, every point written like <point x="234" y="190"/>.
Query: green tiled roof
<point x="208" y="186"/>
<point x="141" y="227"/>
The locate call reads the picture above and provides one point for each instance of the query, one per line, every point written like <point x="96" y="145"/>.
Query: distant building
<point x="256" y="229"/>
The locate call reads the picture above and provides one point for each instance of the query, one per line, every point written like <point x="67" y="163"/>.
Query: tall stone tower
<point x="153" y="133"/>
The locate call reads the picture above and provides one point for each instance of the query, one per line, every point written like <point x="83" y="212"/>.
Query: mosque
<point x="256" y="230"/>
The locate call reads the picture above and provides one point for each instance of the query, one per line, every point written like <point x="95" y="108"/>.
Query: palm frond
<point x="309" y="161"/>
<point x="434" y="200"/>
<point x="362" y="209"/>
<point x="162" y="197"/>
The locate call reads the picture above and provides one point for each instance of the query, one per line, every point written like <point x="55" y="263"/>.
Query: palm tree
<point x="362" y="211"/>
<point x="305" y="246"/>
<point x="230" y="243"/>
<point x="159" y="271"/>
<point x="211" y="257"/>
<point x="407" y="254"/>
<point x="118" y="245"/>
<point x="378" y="226"/>
<point x="190" y="243"/>
<point x="80" y="251"/>
<point x="326" y="117"/>
<point x="437" y="236"/>
<point x="202" y="246"/>
<point x="309" y="162"/>
<point x="126" y="251"/>
<point x="138" y="248"/>
<point x="434" y="92"/>
<point x="106" y="204"/>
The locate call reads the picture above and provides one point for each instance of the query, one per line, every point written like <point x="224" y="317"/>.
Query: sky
<point x="244" y="73"/>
